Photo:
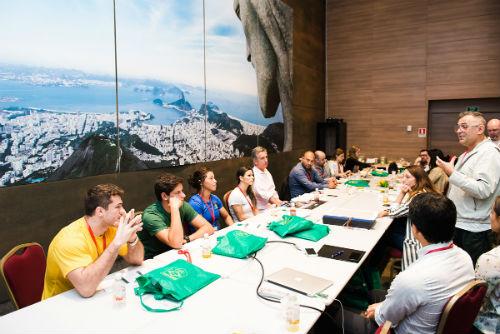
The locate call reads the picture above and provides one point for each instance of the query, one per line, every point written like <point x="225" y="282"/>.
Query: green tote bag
<point x="238" y="244"/>
<point x="175" y="281"/>
<point x="289" y="225"/>
<point x="315" y="233"/>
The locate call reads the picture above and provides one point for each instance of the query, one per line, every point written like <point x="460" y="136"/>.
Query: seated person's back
<point x="417" y="295"/>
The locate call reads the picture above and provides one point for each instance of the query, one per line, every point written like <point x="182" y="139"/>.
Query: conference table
<point x="230" y="304"/>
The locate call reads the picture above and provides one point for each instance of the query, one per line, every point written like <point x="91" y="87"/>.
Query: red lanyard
<point x="309" y="177"/>
<point x="95" y="241"/>
<point x="440" y="249"/>
<point x="210" y="208"/>
<point x="246" y="197"/>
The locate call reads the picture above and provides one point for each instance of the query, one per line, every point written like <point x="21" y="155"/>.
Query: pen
<point x="123" y="279"/>
<point x="338" y="253"/>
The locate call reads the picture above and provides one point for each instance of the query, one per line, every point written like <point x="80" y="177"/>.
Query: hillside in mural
<point x="51" y="139"/>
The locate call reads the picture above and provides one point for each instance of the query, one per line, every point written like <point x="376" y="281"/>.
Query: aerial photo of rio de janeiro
<point x="183" y="97"/>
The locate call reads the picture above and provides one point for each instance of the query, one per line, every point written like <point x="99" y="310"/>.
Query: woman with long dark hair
<point x="241" y="201"/>
<point x="337" y="164"/>
<point x="205" y="202"/>
<point x="352" y="162"/>
<point x="400" y="235"/>
<point x="437" y="175"/>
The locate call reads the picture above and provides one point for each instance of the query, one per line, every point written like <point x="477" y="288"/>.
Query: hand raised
<point x="405" y="188"/>
<point x="128" y="228"/>
<point x="447" y="167"/>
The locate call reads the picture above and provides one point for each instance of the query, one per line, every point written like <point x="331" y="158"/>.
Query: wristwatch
<point x="133" y="243"/>
<point x="186" y="237"/>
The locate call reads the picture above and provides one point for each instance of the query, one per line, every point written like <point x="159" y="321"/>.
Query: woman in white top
<point x="241" y="201"/>
<point x="337" y="164"/>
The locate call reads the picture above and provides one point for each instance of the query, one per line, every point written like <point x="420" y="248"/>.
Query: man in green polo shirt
<point x="163" y="221"/>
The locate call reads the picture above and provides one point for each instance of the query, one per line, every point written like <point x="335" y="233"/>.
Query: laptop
<point x="299" y="281"/>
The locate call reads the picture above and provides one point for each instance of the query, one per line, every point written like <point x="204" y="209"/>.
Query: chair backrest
<point x="225" y="198"/>
<point x="461" y="310"/>
<point x="23" y="270"/>
<point x="284" y="192"/>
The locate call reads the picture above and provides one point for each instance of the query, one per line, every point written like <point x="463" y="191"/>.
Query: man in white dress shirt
<point x="263" y="186"/>
<point x="417" y="295"/>
<point x="416" y="298"/>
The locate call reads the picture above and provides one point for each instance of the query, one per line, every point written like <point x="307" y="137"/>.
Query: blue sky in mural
<point x="224" y="30"/>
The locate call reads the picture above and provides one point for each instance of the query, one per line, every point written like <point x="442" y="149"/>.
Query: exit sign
<point x="472" y="108"/>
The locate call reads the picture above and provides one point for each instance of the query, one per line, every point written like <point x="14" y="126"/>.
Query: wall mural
<point x="187" y="92"/>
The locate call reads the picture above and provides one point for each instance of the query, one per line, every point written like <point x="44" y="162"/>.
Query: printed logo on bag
<point x="175" y="273"/>
<point x="239" y="233"/>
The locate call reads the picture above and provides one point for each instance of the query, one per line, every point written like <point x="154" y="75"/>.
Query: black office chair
<point x="284" y="191"/>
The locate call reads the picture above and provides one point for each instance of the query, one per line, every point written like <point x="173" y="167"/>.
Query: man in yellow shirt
<point x="83" y="252"/>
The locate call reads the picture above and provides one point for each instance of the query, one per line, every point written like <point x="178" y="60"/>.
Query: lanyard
<point x="309" y="177"/>
<point x="440" y="249"/>
<point x="246" y="197"/>
<point x="95" y="241"/>
<point x="210" y="207"/>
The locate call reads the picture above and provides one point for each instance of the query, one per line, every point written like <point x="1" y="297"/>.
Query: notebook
<point x="299" y="281"/>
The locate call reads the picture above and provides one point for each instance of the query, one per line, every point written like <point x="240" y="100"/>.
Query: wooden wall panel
<point x="308" y="70"/>
<point x="399" y="55"/>
<point x="457" y="51"/>
<point x="454" y="29"/>
<point x="463" y="90"/>
<point x="469" y="72"/>
<point x="442" y="10"/>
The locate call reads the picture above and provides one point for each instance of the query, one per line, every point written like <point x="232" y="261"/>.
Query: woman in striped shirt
<point x="414" y="182"/>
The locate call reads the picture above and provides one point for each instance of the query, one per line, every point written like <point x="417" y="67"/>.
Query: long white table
<point x="230" y="304"/>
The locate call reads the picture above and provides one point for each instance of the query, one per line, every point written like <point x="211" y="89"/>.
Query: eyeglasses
<point x="464" y="126"/>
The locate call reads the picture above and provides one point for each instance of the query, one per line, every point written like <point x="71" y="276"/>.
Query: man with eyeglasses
<point x="474" y="184"/>
<point x="423" y="160"/>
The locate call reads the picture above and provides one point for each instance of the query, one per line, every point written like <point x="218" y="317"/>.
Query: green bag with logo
<point x="315" y="233"/>
<point x="238" y="244"/>
<point x="290" y="225"/>
<point x="175" y="282"/>
<point x="378" y="172"/>
<point x="358" y="183"/>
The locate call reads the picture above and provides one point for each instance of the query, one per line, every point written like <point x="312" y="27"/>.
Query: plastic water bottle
<point x="293" y="210"/>
<point x="292" y="312"/>
<point x="119" y="290"/>
<point x="316" y="195"/>
<point x="206" y="248"/>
